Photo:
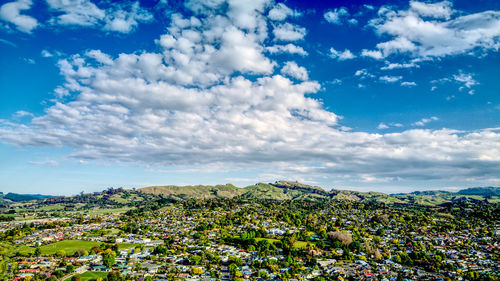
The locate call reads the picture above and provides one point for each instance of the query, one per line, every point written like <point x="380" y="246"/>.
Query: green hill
<point x="194" y="191"/>
<point x="290" y="190"/>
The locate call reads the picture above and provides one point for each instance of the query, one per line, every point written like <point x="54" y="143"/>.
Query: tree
<point x="70" y="268"/>
<point x="343" y="237"/>
<point x="196" y="271"/>
<point x="38" y="252"/>
<point x="108" y="260"/>
<point x="114" y="276"/>
<point x="76" y="278"/>
<point x="195" y="259"/>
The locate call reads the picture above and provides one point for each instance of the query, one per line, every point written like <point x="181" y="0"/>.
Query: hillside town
<point x="258" y="240"/>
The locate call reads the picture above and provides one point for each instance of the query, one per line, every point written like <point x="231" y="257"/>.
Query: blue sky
<point x="393" y="97"/>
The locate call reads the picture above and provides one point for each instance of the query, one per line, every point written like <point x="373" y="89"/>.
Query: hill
<point x="484" y="191"/>
<point x="194" y="191"/>
<point x="17" y="197"/>
<point x="121" y="200"/>
<point x="280" y="190"/>
<point x="290" y="190"/>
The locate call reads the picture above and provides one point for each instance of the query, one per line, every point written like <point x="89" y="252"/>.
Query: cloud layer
<point x="212" y="94"/>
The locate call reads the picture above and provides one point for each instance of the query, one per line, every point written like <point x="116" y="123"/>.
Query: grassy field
<point x="69" y="246"/>
<point x="91" y="275"/>
<point x="104" y="211"/>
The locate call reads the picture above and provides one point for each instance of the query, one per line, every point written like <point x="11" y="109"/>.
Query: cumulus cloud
<point x="11" y="12"/>
<point x="374" y="54"/>
<point x="382" y="126"/>
<point x="344" y="55"/>
<point x="280" y="12"/>
<point x="336" y="16"/>
<point x="46" y="54"/>
<point x="289" y="32"/>
<point x="408" y="84"/>
<point x="424" y="121"/>
<point x="125" y="19"/>
<point x="76" y="12"/>
<point x="390" y="79"/>
<point x="436" y="10"/>
<point x="466" y="79"/>
<point x="122" y="18"/>
<point x="210" y="96"/>
<point x="288" y="48"/>
<point x="363" y="73"/>
<point x="293" y="70"/>
<point x="436" y="30"/>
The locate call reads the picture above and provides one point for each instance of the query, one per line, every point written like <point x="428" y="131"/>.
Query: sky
<point x="389" y="96"/>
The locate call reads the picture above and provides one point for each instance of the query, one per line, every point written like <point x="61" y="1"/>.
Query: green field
<point x="104" y="211"/>
<point x="69" y="246"/>
<point x="92" y="275"/>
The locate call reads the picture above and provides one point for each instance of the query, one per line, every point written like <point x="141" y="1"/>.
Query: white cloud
<point x="192" y="102"/>
<point x="288" y="48"/>
<point x="289" y="32"/>
<point x="424" y="121"/>
<point x="22" y="113"/>
<point x="390" y="79"/>
<point x="344" y="55"/>
<point x="382" y="126"/>
<point x="336" y="16"/>
<point x="465" y="78"/>
<point x="44" y="163"/>
<point x="76" y="12"/>
<point x="46" y="54"/>
<point x="432" y="30"/>
<point x="292" y="69"/>
<point x="375" y="54"/>
<point x="280" y="12"/>
<point x="123" y="18"/>
<point x="363" y="74"/>
<point x="390" y="66"/>
<point x="11" y="12"/>
<point x="408" y="84"/>
<point x="437" y="10"/>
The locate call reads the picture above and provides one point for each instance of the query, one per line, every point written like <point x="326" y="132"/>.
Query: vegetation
<point x="282" y="230"/>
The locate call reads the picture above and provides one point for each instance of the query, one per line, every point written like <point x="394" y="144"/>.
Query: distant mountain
<point x="16" y="197"/>
<point x="484" y="191"/>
